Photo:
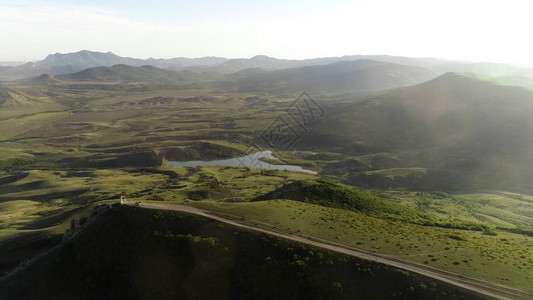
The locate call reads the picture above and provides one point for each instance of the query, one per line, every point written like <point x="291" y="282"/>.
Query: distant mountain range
<point x="357" y="76"/>
<point x="338" y="75"/>
<point x="360" y="76"/>
<point x="58" y="63"/>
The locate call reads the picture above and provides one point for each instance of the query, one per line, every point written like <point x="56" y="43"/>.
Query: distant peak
<point x="80" y="52"/>
<point x="261" y="57"/>
<point x="50" y="56"/>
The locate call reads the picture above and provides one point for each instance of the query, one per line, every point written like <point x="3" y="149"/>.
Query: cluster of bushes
<point x="517" y="230"/>
<point x="331" y="194"/>
<point x="336" y="195"/>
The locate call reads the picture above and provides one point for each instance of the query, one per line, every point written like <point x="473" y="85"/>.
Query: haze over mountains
<point x="58" y="63"/>
<point x="332" y="76"/>
<point x="122" y="73"/>
<point x="340" y="77"/>
<point x="462" y="130"/>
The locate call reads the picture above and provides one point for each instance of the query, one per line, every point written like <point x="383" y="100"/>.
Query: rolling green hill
<point x="457" y="123"/>
<point x="336" y="195"/>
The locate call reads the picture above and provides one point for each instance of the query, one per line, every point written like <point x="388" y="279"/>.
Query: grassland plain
<point x="497" y="208"/>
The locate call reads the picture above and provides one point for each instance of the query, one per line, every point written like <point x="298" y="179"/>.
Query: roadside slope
<point x="473" y="284"/>
<point x="131" y="252"/>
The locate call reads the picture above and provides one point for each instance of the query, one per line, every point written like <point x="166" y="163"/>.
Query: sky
<point x="497" y="31"/>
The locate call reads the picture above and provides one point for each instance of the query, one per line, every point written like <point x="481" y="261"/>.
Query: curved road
<point x="481" y="286"/>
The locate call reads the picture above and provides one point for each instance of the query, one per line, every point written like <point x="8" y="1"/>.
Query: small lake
<point x="250" y="161"/>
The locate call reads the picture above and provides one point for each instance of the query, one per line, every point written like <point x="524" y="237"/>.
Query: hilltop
<point x="44" y="79"/>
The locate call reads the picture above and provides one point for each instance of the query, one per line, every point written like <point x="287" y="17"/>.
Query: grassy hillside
<point x="336" y="195"/>
<point x="457" y="126"/>
<point x="494" y="208"/>
<point x="497" y="256"/>
<point x="450" y="110"/>
<point x="149" y="254"/>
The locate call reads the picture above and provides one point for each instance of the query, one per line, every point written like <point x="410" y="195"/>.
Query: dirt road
<point x="478" y="285"/>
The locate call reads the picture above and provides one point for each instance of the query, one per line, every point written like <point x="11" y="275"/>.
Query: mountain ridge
<point x="357" y="76"/>
<point x="126" y="73"/>
<point x="59" y="63"/>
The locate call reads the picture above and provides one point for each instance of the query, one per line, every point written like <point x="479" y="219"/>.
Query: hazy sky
<point x="457" y="29"/>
